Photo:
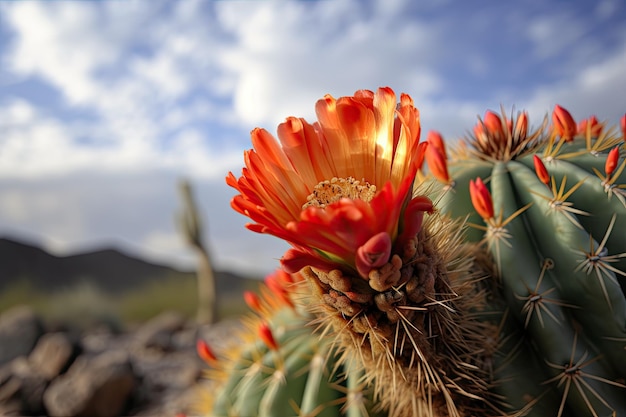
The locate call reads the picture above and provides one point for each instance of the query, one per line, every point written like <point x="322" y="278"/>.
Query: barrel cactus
<point x="549" y="206"/>
<point x="281" y="367"/>
<point x="434" y="318"/>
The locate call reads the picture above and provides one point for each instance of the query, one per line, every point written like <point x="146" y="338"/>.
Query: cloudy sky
<point x="105" y="105"/>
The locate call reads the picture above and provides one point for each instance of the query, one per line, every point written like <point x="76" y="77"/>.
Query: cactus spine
<point x="190" y="225"/>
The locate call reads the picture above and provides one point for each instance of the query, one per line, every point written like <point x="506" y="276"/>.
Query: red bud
<point x="481" y="198"/>
<point x="611" y="161"/>
<point x="564" y="123"/>
<point x="541" y="171"/>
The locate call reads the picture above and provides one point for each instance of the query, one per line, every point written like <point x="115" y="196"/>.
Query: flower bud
<point x="481" y="198"/>
<point x="541" y="171"/>
<point x="564" y="123"/>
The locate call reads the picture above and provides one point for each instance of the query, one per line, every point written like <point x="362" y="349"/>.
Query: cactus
<point x="549" y="206"/>
<point x="190" y="226"/>
<point x="284" y="368"/>
<point x="521" y="314"/>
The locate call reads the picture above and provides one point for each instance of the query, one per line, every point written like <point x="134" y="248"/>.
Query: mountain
<point x="109" y="269"/>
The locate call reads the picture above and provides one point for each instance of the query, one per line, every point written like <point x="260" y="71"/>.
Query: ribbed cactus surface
<point x="283" y="368"/>
<point x="549" y="206"/>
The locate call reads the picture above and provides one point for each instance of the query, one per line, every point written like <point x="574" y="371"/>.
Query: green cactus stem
<point x="298" y="373"/>
<point x="417" y="334"/>
<point x="556" y="234"/>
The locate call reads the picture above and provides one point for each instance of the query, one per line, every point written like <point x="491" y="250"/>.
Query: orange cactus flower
<point x="481" y="198"/>
<point x="266" y="335"/>
<point x="541" y="171"/>
<point x="595" y="127"/>
<point x="564" y="123"/>
<point x="328" y="188"/>
<point x="611" y="161"/>
<point x="205" y="352"/>
<point x="622" y="121"/>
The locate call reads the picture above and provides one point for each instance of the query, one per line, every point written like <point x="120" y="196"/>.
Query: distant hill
<point x="109" y="269"/>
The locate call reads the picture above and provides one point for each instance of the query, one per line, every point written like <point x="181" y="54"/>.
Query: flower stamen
<point x="330" y="191"/>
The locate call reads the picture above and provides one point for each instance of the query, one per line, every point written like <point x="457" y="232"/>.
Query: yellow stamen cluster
<point x="330" y="191"/>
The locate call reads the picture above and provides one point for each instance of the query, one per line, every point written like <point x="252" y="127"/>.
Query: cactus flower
<point x="622" y="122"/>
<point x="328" y="188"/>
<point x="564" y="123"/>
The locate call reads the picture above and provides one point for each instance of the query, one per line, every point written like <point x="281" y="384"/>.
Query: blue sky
<point x="105" y="105"/>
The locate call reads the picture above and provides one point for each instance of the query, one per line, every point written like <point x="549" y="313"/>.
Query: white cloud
<point x="152" y="90"/>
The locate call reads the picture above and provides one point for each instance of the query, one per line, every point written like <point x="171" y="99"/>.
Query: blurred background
<point x="106" y="105"/>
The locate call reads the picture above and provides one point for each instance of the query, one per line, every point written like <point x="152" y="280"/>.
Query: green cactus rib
<point x="301" y="378"/>
<point x="560" y="261"/>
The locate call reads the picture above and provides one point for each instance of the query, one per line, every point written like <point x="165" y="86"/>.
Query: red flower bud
<point x="265" y="333"/>
<point x="435" y="139"/>
<point x="541" y="171"/>
<point x="205" y="352"/>
<point x="493" y="124"/>
<point x="623" y="123"/>
<point x="611" y="161"/>
<point x="252" y="300"/>
<point x="564" y="123"/>
<point x="481" y="198"/>
<point x="437" y="163"/>
<point x="595" y="127"/>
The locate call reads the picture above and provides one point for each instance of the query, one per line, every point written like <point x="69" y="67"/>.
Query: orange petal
<point x="413" y="218"/>
<point x="373" y="254"/>
<point x="294" y="260"/>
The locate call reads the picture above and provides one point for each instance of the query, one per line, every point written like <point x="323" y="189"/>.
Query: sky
<point x="106" y="105"/>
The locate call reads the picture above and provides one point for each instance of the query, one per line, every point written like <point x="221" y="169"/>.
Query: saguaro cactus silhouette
<point x="190" y="224"/>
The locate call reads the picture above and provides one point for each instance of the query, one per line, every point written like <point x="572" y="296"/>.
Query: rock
<point x="20" y="328"/>
<point x="99" y="386"/>
<point x="53" y="354"/>
<point x="23" y="389"/>
<point x="159" y="332"/>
